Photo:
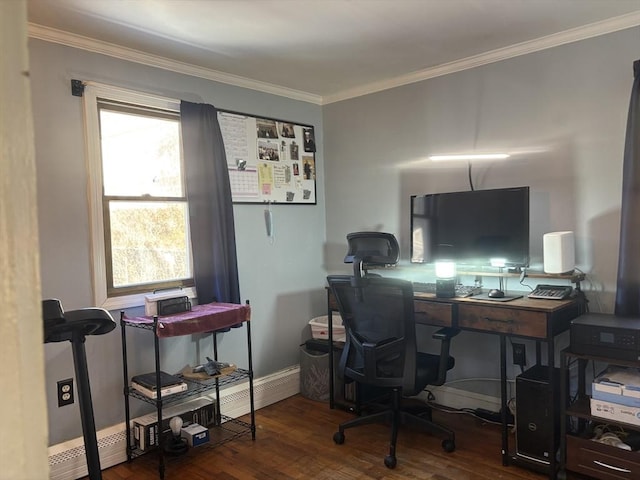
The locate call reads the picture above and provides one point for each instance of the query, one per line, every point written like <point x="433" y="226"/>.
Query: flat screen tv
<point x="475" y="228"/>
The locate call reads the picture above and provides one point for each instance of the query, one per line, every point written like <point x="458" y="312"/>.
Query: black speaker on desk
<point x="536" y="414"/>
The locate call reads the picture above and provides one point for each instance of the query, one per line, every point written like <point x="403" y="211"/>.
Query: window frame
<point x="93" y="93"/>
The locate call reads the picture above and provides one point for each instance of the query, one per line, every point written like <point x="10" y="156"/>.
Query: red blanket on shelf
<point x="202" y="318"/>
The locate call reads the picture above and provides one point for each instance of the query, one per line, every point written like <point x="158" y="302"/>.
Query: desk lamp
<point x="500" y="264"/>
<point x="445" y="271"/>
<point x="176" y="445"/>
<point x="445" y="278"/>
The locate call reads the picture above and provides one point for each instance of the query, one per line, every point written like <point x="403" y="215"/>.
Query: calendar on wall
<point x="269" y="160"/>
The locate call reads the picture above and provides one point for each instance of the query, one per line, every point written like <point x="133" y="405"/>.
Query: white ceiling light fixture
<point x="479" y="156"/>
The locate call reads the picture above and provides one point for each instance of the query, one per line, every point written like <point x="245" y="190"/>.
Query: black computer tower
<point x="536" y="414"/>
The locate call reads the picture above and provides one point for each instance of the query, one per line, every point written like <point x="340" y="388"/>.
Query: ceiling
<point x="323" y="50"/>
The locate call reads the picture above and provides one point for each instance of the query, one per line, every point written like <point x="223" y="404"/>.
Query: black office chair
<point x="380" y="348"/>
<point x="74" y="326"/>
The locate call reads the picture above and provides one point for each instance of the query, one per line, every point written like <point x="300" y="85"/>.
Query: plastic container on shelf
<point x="320" y="328"/>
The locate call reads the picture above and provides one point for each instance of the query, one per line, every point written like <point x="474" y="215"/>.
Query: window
<point x="139" y="210"/>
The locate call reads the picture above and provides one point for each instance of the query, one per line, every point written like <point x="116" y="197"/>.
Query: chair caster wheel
<point x="390" y="461"/>
<point x="448" y="445"/>
<point x="338" y="437"/>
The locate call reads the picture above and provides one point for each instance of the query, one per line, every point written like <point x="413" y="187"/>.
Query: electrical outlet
<point x="65" y="392"/>
<point x="519" y="354"/>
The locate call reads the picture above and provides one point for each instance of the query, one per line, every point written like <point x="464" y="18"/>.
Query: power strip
<point x="488" y="415"/>
<point x="495" y="417"/>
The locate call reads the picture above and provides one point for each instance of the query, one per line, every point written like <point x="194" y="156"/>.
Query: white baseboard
<point x="67" y="460"/>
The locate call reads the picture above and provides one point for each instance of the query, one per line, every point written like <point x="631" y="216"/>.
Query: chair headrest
<point x="373" y="248"/>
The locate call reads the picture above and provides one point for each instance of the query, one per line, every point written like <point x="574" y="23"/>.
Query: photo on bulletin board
<point x="269" y="160"/>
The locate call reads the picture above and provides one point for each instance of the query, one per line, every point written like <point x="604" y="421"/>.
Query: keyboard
<point x="422" y="287"/>
<point x="467" y="291"/>
<point x="551" y="292"/>
<point x="461" y="290"/>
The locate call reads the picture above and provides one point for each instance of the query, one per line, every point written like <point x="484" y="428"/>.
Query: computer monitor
<point x="475" y="228"/>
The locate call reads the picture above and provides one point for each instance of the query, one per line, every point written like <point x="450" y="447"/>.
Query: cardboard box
<point x="615" y="411"/>
<point x="145" y="432"/>
<point x="201" y="411"/>
<point x="195" y="434"/>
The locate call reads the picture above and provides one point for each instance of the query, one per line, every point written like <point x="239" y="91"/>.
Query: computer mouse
<point x="495" y="293"/>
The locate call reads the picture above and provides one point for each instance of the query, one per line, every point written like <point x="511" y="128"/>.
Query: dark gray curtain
<point x="628" y="288"/>
<point x="210" y="207"/>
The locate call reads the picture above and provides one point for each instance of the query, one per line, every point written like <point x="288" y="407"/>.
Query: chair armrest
<point x="374" y="353"/>
<point x="444" y="335"/>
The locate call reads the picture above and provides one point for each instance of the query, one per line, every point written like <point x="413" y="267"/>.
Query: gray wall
<point x="564" y="110"/>
<point x="284" y="281"/>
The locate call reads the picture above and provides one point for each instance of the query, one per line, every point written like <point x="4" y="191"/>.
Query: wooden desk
<point x="540" y="320"/>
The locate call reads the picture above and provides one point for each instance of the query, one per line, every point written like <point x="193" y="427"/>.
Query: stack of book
<point x="169" y="384"/>
<point x="615" y="395"/>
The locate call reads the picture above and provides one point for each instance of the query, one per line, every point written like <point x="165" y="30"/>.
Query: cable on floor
<point x="467" y="411"/>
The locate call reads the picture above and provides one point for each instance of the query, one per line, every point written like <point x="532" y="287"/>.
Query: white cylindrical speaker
<point x="559" y="252"/>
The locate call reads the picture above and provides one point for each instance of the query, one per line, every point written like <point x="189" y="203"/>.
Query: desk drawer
<point x="434" y="313"/>
<point x="600" y="461"/>
<point x="503" y="320"/>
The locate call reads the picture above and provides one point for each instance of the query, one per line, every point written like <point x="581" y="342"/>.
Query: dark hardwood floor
<point x="294" y="441"/>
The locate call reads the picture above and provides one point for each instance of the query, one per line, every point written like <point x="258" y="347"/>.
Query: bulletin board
<point x="269" y="160"/>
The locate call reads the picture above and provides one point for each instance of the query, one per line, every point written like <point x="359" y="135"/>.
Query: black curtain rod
<point x="77" y="88"/>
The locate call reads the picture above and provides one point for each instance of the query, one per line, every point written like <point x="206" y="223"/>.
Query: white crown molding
<point x="96" y="46"/>
<point x="568" y="36"/>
